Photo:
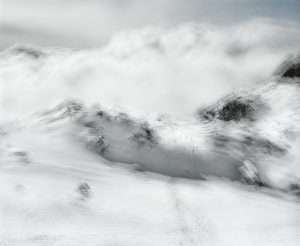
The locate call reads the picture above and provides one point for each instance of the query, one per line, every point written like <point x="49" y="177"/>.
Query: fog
<point x="151" y="70"/>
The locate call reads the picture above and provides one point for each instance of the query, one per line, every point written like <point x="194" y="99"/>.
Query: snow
<point x="104" y="146"/>
<point x="40" y="203"/>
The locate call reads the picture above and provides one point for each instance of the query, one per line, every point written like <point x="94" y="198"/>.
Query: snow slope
<point x="40" y="203"/>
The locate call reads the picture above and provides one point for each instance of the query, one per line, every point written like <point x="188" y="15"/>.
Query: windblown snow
<point x="184" y="136"/>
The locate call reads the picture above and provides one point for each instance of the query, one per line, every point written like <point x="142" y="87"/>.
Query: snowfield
<point x="164" y="137"/>
<point x="41" y="204"/>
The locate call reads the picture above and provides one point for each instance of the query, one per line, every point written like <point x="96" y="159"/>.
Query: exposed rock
<point x="293" y="71"/>
<point x="290" y="68"/>
<point x="236" y="110"/>
<point x="233" y="109"/>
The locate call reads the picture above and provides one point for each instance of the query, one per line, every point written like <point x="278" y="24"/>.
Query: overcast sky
<point x="80" y="23"/>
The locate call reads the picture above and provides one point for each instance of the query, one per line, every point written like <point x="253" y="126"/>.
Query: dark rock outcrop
<point x="233" y="108"/>
<point x="236" y="110"/>
<point x="290" y="68"/>
<point x="293" y="71"/>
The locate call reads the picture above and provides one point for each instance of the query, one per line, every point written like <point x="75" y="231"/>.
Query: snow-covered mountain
<point x="165" y="137"/>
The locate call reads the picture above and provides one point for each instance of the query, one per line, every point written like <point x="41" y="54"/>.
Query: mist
<point x="151" y="70"/>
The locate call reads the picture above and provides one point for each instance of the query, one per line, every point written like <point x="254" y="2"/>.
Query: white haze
<point x="153" y="70"/>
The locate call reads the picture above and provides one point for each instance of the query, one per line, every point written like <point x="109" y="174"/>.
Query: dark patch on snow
<point x="264" y="145"/>
<point x="244" y="146"/>
<point x="236" y="110"/>
<point x="84" y="190"/>
<point x="233" y="108"/>
<point x="22" y="156"/>
<point x="145" y="136"/>
<point x="293" y="71"/>
<point x="294" y="188"/>
<point x="103" y="115"/>
<point x="290" y="68"/>
<point x="138" y="168"/>
<point x="101" y="145"/>
<point x="207" y="115"/>
<point x="98" y="144"/>
<point x="90" y="124"/>
<point x="100" y="113"/>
